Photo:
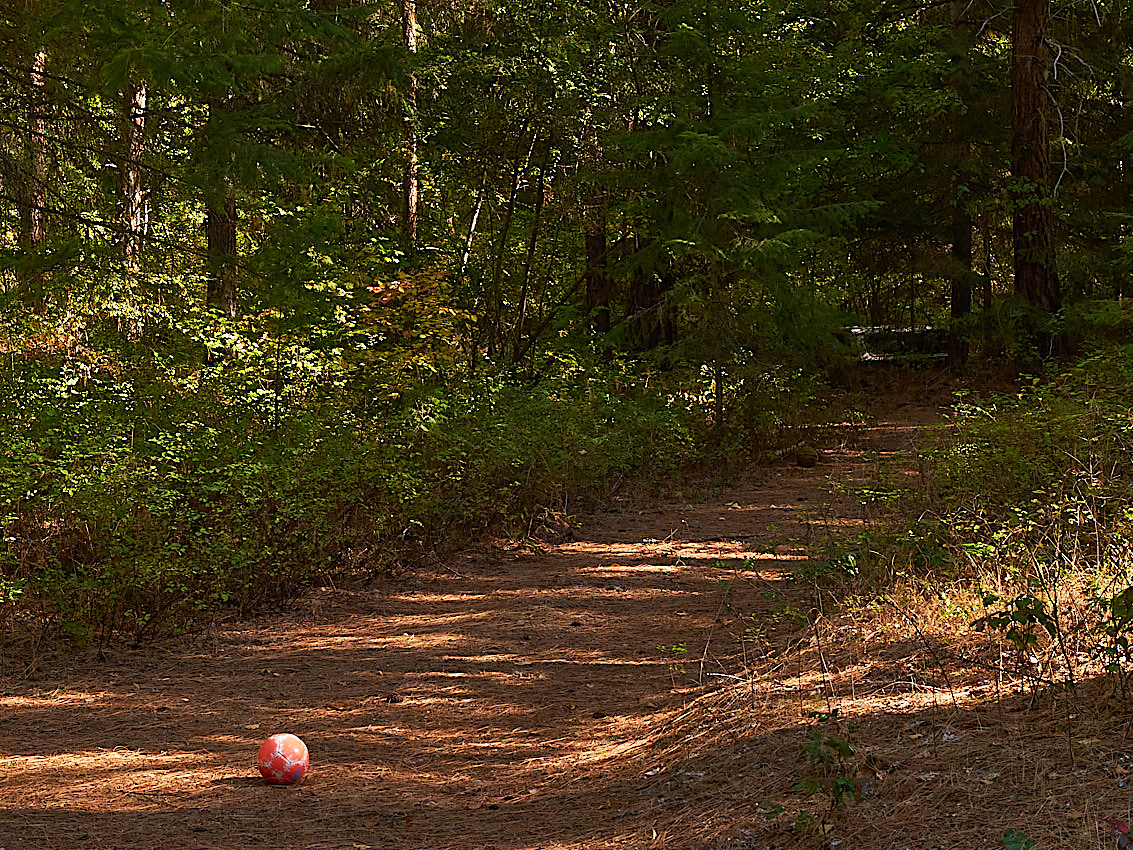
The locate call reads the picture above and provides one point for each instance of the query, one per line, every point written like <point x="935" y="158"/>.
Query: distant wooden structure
<point x="907" y="346"/>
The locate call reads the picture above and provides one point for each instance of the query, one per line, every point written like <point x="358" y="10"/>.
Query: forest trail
<point x="510" y="698"/>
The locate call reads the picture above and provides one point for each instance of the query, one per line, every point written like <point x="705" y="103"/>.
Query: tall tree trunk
<point x="33" y="189"/>
<point x="220" y="231"/>
<point x="466" y="254"/>
<point x="135" y="212"/>
<point x="495" y="297"/>
<point x="599" y="288"/>
<point x="718" y="395"/>
<point x="912" y="288"/>
<point x="647" y="313"/>
<point x="220" y="236"/>
<point x="961" y="300"/>
<point x="961" y="295"/>
<point x="1036" y="275"/>
<point x="532" y="244"/>
<point x="409" y="201"/>
<point x="985" y="283"/>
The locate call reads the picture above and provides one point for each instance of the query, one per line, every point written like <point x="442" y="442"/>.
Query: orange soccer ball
<point x="283" y="759"/>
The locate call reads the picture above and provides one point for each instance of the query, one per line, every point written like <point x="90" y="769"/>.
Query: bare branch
<point x="1061" y="141"/>
<point x="987" y="21"/>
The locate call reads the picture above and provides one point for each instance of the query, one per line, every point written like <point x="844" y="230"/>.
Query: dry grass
<point x="950" y="749"/>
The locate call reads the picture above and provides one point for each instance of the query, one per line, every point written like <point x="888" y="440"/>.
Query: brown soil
<point x="589" y="693"/>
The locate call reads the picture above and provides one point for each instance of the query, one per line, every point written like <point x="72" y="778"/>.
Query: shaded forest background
<point x="306" y="288"/>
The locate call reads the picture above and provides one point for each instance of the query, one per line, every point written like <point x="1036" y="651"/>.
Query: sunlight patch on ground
<point x="95" y="760"/>
<point x="635" y="551"/>
<point x="527" y="662"/>
<point x="458" y="598"/>
<point x="410" y="639"/>
<point x="678" y="549"/>
<point x="733" y="562"/>
<point x="605" y="751"/>
<point x="63" y="780"/>
<point x="52" y="700"/>
<point x="617" y="550"/>
<point x="915" y="699"/>
<point x="843" y="522"/>
<point x="615" y="569"/>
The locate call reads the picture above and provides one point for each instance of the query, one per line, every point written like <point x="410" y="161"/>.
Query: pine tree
<point x="1036" y="271"/>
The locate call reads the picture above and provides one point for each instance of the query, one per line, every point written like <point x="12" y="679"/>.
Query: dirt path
<point x="510" y="699"/>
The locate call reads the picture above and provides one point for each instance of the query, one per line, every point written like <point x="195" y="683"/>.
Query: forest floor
<point x="649" y="681"/>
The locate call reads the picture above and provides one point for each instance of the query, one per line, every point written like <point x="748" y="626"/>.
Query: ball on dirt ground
<point x="806" y="456"/>
<point x="283" y="759"/>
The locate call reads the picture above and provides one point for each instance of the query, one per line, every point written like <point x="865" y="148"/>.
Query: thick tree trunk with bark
<point x="1036" y="275"/>
<point x="220" y="230"/>
<point x="961" y="295"/>
<point x="648" y="317"/>
<point x="33" y="186"/>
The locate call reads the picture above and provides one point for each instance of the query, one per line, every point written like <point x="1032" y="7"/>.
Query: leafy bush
<point x="140" y="496"/>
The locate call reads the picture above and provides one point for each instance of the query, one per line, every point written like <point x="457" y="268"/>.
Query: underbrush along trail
<point x="515" y="697"/>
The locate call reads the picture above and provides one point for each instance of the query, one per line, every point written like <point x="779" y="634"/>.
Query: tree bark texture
<point x="220" y="230"/>
<point x="1036" y="275"/>
<point x="648" y="317"/>
<point x="33" y="188"/>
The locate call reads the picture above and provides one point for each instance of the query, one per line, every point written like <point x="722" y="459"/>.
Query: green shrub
<point x="135" y="503"/>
